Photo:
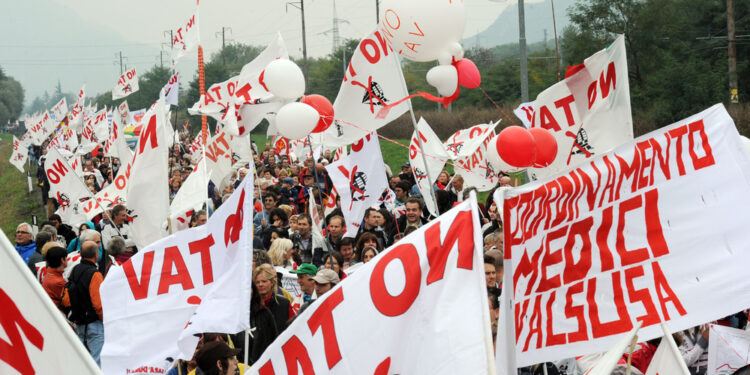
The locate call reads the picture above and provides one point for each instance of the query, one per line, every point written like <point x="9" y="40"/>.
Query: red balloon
<point x="516" y="146"/>
<point x="468" y="74"/>
<point x="324" y="108"/>
<point x="546" y="147"/>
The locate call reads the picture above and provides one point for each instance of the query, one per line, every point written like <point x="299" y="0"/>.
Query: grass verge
<point x="16" y="203"/>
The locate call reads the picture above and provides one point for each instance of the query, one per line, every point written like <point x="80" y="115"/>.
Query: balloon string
<point x="455" y="166"/>
<point x="512" y="122"/>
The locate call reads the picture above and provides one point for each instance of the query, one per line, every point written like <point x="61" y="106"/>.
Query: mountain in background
<point x="538" y="20"/>
<point x="84" y="50"/>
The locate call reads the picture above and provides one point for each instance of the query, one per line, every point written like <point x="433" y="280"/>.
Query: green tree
<point x="11" y="98"/>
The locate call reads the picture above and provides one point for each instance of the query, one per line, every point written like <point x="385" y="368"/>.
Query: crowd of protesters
<point x="285" y="237"/>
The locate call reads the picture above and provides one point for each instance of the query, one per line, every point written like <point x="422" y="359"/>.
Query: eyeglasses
<point x="22" y="232"/>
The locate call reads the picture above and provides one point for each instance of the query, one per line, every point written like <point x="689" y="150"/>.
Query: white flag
<point x="98" y="124"/>
<point x="469" y="149"/>
<point x="75" y="117"/>
<point x="374" y="78"/>
<point x="172" y="89"/>
<point x="148" y="187"/>
<point x="42" y="128"/>
<point x="219" y="156"/>
<point x="185" y="38"/>
<point x="360" y="180"/>
<point x="197" y="280"/>
<point x="667" y="359"/>
<point x="20" y="154"/>
<point x="60" y="109"/>
<point x="124" y="113"/>
<point x="393" y="315"/>
<point x="728" y="349"/>
<point x="588" y="112"/>
<point x="608" y="362"/>
<point x="126" y="85"/>
<point x="317" y="224"/>
<point x="435" y="156"/>
<point x="525" y="113"/>
<point x="191" y="197"/>
<point x="115" y="145"/>
<point x="36" y="338"/>
<point x="66" y="187"/>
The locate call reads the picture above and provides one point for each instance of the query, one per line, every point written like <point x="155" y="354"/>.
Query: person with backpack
<point x="84" y="301"/>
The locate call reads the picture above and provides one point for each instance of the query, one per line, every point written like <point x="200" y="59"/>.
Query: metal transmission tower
<point x="119" y="60"/>
<point x="336" y="36"/>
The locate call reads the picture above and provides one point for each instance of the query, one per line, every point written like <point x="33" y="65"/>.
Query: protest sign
<point x="430" y="164"/>
<point x="372" y="80"/>
<point x="588" y="113"/>
<point x="186" y="37"/>
<point x="126" y="85"/>
<point x="429" y="287"/>
<point x="60" y="109"/>
<point x="525" y="112"/>
<point x="20" y="154"/>
<point x="36" y="337"/>
<point x="623" y="238"/>
<point x="360" y="180"/>
<point x="197" y="280"/>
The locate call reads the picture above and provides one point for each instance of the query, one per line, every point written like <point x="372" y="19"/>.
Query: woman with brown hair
<point x="367" y="239"/>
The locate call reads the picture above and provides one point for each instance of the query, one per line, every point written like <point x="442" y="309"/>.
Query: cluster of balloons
<point x="429" y="30"/>
<point x="516" y="148"/>
<point x="296" y="120"/>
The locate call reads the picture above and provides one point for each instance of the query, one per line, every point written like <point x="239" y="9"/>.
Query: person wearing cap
<point x="407" y="175"/>
<point x="303" y="195"/>
<point x="217" y="358"/>
<point x="325" y="280"/>
<point x="288" y="191"/>
<point x="305" y="274"/>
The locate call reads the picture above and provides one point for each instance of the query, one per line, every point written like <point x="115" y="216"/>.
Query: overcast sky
<point x="75" y="41"/>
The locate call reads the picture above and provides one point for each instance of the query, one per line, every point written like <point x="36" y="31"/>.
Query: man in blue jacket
<point x="25" y="244"/>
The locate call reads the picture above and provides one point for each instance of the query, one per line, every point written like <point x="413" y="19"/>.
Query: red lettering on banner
<point x="295" y="352"/>
<point x="565" y="103"/>
<point x="139" y="288"/>
<point x="550" y="258"/>
<point x="520" y="310"/>
<point x="552" y="338"/>
<point x="203" y="246"/>
<point x="244" y="92"/>
<point x="372" y="54"/>
<point x="357" y="146"/>
<point x="14" y="352"/>
<point x="628" y="257"/>
<point x="414" y="144"/>
<point x="708" y="159"/>
<point x="386" y="303"/>
<point x="678" y="133"/>
<point x="641" y="295"/>
<point x="575" y="271"/>
<point x="577" y="312"/>
<point x="172" y="259"/>
<point x="665" y="292"/>
<point x="528" y="268"/>
<point x="654" y="232"/>
<point x="535" y="324"/>
<point x="267" y="369"/>
<point x="148" y="135"/>
<point x="609" y="81"/>
<point x="323" y="317"/>
<point x="461" y="231"/>
<point x="605" y="254"/>
<point x="623" y="324"/>
<point x="233" y="225"/>
<point x="547" y="120"/>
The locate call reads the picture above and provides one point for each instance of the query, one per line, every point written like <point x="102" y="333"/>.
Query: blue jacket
<point x="25" y="251"/>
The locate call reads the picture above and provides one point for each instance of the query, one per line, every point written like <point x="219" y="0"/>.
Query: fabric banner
<point x="288" y="281"/>
<point x="435" y="157"/>
<point x="360" y="180"/>
<point x="60" y="109"/>
<point x="667" y="359"/>
<point x="124" y="113"/>
<point x="36" y="338"/>
<point x="148" y="187"/>
<point x="588" y="112"/>
<point x="75" y="117"/>
<point x="20" y="154"/>
<point x="373" y="78"/>
<point x="98" y="124"/>
<point x="115" y="146"/>
<point x="609" y="360"/>
<point x="401" y="293"/>
<point x="728" y="350"/>
<point x="242" y="102"/>
<point x="525" y="113"/>
<point x="171" y="90"/>
<point x="192" y="195"/>
<point x="219" y="156"/>
<point x="186" y="37"/>
<point x="42" y="128"/>
<point x="197" y="280"/>
<point x="468" y="147"/>
<point x="241" y="150"/>
<point x="614" y="241"/>
<point x="126" y="85"/>
<point x="67" y="188"/>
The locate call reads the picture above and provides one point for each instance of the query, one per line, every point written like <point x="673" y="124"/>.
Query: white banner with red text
<point x="650" y="232"/>
<point x="428" y="288"/>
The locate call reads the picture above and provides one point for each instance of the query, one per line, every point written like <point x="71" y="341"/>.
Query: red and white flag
<point x="728" y="350"/>
<point x="219" y="156"/>
<point x="20" y="154"/>
<point x="191" y="197"/>
<point x="126" y="85"/>
<point x="124" y="113"/>
<point x="197" y="280"/>
<point x="401" y="293"/>
<point x="609" y="360"/>
<point x="360" y="180"/>
<point x="148" y="187"/>
<point x="115" y="146"/>
<point x="468" y="147"/>
<point x="315" y="214"/>
<point x="186" y="37"/>
<point x="589" y="111"/>
<point x="435" y="157"/>
<point x="67" y="188"/>
<point x="171" y="90"/>
<point x="36" y="337"/>
<point x="525" y="113"/>
<point x="592" y="251"/>
<point x="60" y="109"/>
<point x="373" y="79"/>
<point x="41" y="128"/>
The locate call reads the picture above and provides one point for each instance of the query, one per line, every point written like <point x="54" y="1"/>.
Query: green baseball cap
<point x="307" y="269"/>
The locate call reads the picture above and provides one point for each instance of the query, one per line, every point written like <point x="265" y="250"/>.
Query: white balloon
<point x="284" y="79"/>
<point x="444" y="78"/>
<point x="497" y="163"/>
<point x="456" y="51"/>
<point x="420" y="29"/>
<point x="296" y="120"/>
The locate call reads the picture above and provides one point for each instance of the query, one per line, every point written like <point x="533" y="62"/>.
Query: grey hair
<point x="116" y="246"/>
<point x="28" y="229"/>
<point x="51" y="229"/>
<point x="88" y="235"/>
